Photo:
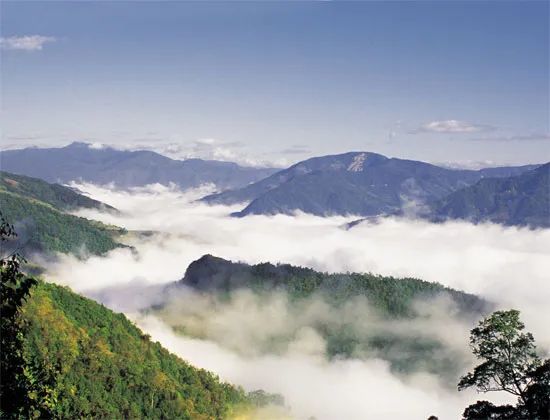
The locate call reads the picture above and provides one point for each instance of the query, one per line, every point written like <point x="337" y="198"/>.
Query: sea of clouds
<point x="508" y="266"/>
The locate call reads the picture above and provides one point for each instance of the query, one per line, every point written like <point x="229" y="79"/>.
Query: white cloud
<point x="509" y="266"/>
<point x="452" y="126"/>
<point x="206" y="149"/>
<point x="314" y="387"/>
<point x="516" y="137"/>
<point x="189" y="229"/>
<point x="25" y="42"/>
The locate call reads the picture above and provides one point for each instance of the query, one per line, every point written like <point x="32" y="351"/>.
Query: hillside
<point x="353" y="183"/>
<point x="58" y="196"/>
<point x="360" y="316"/>
<point x="43" y="228"/>
<point x="392" y="296"/>
<point x="522" y="200"/>
<point x="79" y="161"/>
<point x="39" y="210"/>
<point x="85" y="361"/>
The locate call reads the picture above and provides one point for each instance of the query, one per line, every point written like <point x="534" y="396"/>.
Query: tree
<point x="509" y="363"/>
<point x="15" y="288"/>
<point x="537" y="394"/>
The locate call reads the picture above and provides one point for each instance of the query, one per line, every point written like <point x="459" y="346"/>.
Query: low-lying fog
<point x="508" y="266"/>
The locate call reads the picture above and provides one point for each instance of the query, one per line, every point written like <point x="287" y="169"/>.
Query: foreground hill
<point x="85" y="361"/>
<point x="39" y="210"/>
<point x="79" y="161"/>
<point x="353" y="183"/>
<point x="522" y="200"/>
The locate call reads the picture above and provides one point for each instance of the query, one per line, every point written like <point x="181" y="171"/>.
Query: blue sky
<point x="437" y="81"/>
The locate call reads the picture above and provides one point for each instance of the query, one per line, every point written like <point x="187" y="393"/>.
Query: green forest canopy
<point x="40" y="211"/>
<point x="87" y="361"/>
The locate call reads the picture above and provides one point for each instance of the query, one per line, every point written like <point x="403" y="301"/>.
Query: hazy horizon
<point x="275" y="83"/>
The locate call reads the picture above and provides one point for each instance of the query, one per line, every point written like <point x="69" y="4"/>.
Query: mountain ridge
<point x="212" y="273"/>
<point x="522" y="200"/>
<point x="360" y="183"/>
<point x="80" y="161"/>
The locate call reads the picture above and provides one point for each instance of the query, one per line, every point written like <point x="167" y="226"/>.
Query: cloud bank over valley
<point x="169" y="229"/>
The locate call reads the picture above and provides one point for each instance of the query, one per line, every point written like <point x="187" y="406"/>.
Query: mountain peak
<point x="77" y="144"/>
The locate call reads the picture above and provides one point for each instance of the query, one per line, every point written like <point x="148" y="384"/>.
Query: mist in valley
<point x="273" y="343"/>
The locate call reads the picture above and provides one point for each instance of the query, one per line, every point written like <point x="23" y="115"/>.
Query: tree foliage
<point x="64" y="356"/>
<point x="509" y="362"/>
<point x="15" y="288"/>
<point x="84" y="360"/>
<point x="45" y="228"/>
<point x="386" y="297"/>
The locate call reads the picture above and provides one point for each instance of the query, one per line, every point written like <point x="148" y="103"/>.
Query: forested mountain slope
<point x="40" y="210"/>
<point x="392" y="296"/>
<point x="85" y="361"/>
<point x="360" y="316"/>
<point x="58" y="196"/>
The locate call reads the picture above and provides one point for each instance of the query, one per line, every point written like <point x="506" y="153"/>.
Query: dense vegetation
<point x="47" y="229"/>
<point x="58" y="196"/>
<point x="390" y="300"/>
<point x="509" y="363"/>
<point x="39" y="210"/>
<point x="14" y="290"/>
<point x="65" y="356"/>
<point x="83" y="360"/>
<point x="392" y="296"/>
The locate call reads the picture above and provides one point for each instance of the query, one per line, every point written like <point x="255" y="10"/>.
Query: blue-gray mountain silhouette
<point x="522" y="200"/>
<point x="79" y="161"/>
<point x="359" y="183"/>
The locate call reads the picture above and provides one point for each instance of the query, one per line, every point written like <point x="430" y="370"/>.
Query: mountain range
<point x="355" y="183"/>
<point x="82" y="161"/>
<point x="359" y="183"/>
<point x="517" y="200"/>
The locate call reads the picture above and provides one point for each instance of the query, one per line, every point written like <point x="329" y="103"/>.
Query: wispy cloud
<point x="452" y="127"/>
<point x="25" y="42"/>
<point x="296" y="149"/>
<point x="516" y="137"/>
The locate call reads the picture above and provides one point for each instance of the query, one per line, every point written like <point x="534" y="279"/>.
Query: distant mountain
<point x="39" y="211"/>
<point x="354" y="183"/>
<point x="522" y="200"/>
<point x="80" y="161"/>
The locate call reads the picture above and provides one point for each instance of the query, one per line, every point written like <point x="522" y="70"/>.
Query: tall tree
<point x="509" y="363"/>
<point x="15" y="288"/>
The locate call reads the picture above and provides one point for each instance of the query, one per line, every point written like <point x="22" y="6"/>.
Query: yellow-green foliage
<point x="84" y="360"/>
